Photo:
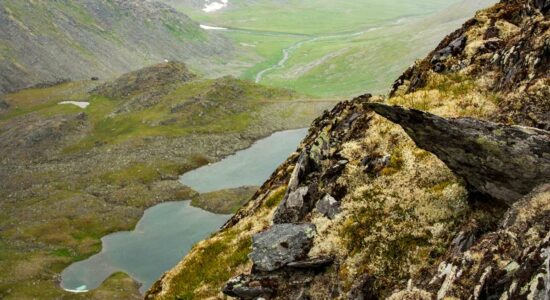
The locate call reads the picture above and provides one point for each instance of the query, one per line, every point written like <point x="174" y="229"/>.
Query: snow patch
<point x="77" y="103"/>
<point x="206" y="27"/>
<point x="210" y="6"/>
<point x="80" y="289"/>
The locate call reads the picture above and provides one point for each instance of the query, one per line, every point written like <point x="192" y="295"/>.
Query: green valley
<point x="71" y="175"/>
<point x="333" y="49"/>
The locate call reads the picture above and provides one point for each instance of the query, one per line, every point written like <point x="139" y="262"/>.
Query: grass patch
<point x="275" y="198"/>
<point x="216" y="263"/>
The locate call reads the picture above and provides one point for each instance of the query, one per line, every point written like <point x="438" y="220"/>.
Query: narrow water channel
<point x="167" y="231"/>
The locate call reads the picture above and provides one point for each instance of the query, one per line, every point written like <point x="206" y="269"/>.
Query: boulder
<point x="246" y="287"/>
<point x="294" y="206"/>
<point x="4" y="105"/>
<point x="328" y="206"/>
<point x="504" y="162"/>
<point x="454" y="48"/>
<point x="280" y="245"/>
<point x="312" y="263"/>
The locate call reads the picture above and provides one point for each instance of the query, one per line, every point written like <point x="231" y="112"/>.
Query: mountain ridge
<point x="45" y="41"/>
<point x="393" y="221"/>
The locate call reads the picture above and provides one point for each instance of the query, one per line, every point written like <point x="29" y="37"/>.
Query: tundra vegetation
<point x="72" y="175"/>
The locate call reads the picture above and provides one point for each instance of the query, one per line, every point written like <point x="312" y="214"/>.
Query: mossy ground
<point x="226" y="201"/>
<point x="217" y="259"/>
<point x="109" y="167"/>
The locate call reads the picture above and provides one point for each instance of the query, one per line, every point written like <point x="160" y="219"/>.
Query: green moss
<point x="216" y="263"/>
<point x="144" y="173"/>
<point x="227" y="201"/>
<point x="63" y="252"/>
<point x="275" y="198"/>
<point x="396" y="163"/>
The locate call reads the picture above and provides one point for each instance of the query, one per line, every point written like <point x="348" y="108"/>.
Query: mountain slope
<point x="392" y="220"/>
<point x="47" y="41"/>
<point x="73" y="174"/>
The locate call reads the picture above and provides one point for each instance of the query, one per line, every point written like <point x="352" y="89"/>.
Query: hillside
<point x="443" y="196"/>
<point x="50" y="41"/>
<point x="73" y="172"/>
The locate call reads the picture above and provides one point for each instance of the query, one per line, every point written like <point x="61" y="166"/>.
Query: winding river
<point x="167" y="231"/>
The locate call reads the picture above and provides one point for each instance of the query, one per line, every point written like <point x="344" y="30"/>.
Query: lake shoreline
<point x="280" y="136"/>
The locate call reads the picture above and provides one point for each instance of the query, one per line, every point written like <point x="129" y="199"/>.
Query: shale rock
<point x="246" y="287"/>
<point x="328" y="206"/>
<point x="280" y="245"/>
<point x="295" y="203"/>
<point x="504" y="162"/>
<point x="312" y="263"/>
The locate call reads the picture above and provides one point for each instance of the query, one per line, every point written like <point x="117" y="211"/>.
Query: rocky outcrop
<point x="280" y="245"/>
<point x="504" y="162"/>
<point x="392" y="220"/>
<point x="505" y="49"/>
<point x="512" y="262"/>
<point x="145" y="87"/>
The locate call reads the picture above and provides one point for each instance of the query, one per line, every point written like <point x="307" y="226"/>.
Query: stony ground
<point x="72" y="175"/>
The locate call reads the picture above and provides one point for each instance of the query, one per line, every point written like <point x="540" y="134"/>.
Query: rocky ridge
<point x="43" y="41"/>
<point x="391" y="220"/>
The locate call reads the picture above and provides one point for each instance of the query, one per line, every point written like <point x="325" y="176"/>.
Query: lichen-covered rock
<point x="246" y="287"/>
<point x="510" y="263"/>
<point x="328" y="206"/>
<point x="280" y="245"/>
<point x="505" y="162"/>
<point x="505" y="49"/>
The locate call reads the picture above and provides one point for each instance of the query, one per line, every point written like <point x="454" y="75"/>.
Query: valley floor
<point x="71" y="174"/>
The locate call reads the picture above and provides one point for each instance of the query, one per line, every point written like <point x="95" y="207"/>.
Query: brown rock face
<point x="504" y="162"/>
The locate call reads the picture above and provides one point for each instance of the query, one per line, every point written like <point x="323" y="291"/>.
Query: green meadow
<point x="335" y="49"/>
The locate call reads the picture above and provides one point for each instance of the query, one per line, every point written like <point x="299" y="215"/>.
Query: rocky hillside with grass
<point x="80" y="160"/>
<point x="50" y="41"/>
<point x="440" y="190"/>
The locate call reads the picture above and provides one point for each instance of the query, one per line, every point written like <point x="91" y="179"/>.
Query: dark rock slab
<point x="504" y="162"/>
<point x="328" y="206"/>
<point x="542" y="5"/>
<point x="312" y="263"/>
<point x="295" y="202"/>
<point x="280" y="245"/>
<point x="454" y="48"/>
<point x="246" y="287"/>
